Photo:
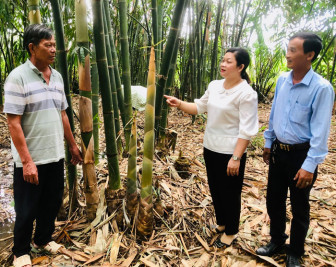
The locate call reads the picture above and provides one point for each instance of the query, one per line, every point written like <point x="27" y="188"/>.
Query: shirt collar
<point x="306" y="79"/>
<point x="33" y="67"/>
<point x="233" y="89"/>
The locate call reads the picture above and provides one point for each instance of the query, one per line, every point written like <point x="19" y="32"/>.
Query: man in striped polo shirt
<point x="35" y="104"/>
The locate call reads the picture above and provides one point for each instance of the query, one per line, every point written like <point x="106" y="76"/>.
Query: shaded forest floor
<point x="181" y="234"/>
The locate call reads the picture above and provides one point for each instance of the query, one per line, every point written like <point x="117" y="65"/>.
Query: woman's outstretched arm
<point x="187" y="107"/>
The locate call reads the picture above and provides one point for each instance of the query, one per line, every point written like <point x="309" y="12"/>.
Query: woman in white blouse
<point x="232" y="107"/>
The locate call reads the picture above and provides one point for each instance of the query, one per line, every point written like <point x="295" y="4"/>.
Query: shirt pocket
<point x="300" y="114"/>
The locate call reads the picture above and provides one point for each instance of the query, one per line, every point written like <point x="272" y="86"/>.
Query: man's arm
<point x="75" y="153"/>
<point x="30" y="174"/>
<point x="269" y="134"/>
<point x="320" y="126"/>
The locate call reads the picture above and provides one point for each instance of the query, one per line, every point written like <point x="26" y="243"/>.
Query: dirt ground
<point x="181" y="235"/>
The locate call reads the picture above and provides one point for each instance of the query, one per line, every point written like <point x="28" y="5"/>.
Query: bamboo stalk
<point x="34" y="12"/>
<point x="95" y="106"/>
<point x="145" y="216"/>
<point x="132" y="196"/>
<point x="62" y="67"/>
<point x="126" y="74"/>
<point x="213" y="69"/>
<point x="85" y="110"/>
<point x="166" y="60"/>
<point x="116" y="66"/>
<point x="111" y="147"/>
<point x="170" y="81"/>
<point x="112" y="82"/>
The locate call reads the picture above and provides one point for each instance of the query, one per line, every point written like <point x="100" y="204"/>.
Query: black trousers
<point x="37" y="202"/>
<point x="225" y="190"/>
<point x="283" y="167"/>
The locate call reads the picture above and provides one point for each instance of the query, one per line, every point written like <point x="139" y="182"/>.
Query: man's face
<point x="296" y="58"/>
<point x="45" y="51"/>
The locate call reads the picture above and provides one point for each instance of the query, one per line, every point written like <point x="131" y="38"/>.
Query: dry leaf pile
<point x="184" y="214"/>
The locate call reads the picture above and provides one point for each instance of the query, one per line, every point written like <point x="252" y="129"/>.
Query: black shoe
<point x="270" y="249"/>
<point x="293" y="261"/>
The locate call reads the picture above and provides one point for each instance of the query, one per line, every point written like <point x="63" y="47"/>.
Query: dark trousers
<point x="283" y="167"/>
<point x="225" y="190"/>
<point x="37" y="202"/>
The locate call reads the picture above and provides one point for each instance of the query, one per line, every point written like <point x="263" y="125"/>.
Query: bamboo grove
<point x="171" y="47"/>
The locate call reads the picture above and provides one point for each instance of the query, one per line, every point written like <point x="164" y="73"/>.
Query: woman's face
<point x="228" y="66"/>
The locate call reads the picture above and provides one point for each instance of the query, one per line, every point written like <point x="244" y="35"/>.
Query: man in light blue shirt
<point x="296" y="142"/>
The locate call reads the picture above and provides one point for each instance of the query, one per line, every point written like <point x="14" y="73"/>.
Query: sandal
<point x="22" y="261"/>
<point x="219" y="244"/>
<point x="52" y="247"/>
<point x="214" y="229"/>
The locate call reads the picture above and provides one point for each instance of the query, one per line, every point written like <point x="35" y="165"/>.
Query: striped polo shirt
<point x="40" y="105"/>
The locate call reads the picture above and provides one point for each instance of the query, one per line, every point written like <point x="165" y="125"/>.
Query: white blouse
<point x="232" y="114"/>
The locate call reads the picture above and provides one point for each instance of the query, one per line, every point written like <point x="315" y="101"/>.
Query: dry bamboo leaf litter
<point x="188" y="210"/>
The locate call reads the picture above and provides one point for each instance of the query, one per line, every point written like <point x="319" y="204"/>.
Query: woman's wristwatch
<point x="235" y="157"/>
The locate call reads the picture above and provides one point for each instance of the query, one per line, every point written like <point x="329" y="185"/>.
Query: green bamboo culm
<point x="120" y="94"/>
<point x="160" y="22"/>
<point x="166" y="60"/>
<point x="110" y="138"/>
<point x="155" y="27"/>
<point x="85" y="110"/>
<point x="62" y="67"/>
<point x="126" y="74"/>
<point x="145" y="217"/>
<point x="169" y="85"/>
<point x="214" y="55"/>
<point x="112" y="82"/>
<point x="95" y="105"/>
<point x="132" y="196"/>
<point x="34" y="11"/>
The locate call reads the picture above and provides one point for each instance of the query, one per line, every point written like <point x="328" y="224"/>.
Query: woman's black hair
<point x="242" y="57"/>
<point x="34" y="34"/>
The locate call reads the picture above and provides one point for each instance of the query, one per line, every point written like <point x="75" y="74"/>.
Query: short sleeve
<point x="15" y="97"/>
<point x="202" y="103"/>
<point x="248" y="116"/>
<point x="64" y="104"/>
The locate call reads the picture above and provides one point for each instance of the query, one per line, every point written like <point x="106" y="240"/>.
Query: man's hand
<point x="233" y="167"/>
<point x="304" y="178"/>
<point x="30" y="174"/>
<point x="267" y="155"/>
<point x="76" y="156"/>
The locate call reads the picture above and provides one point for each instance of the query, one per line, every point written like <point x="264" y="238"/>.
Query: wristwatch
<point x="235" y="157"/>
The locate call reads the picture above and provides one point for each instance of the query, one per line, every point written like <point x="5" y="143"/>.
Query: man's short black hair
<point x="311" y="42"/>
<point x="34" y="34"/>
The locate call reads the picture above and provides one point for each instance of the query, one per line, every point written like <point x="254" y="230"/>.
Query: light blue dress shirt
<point x="302" y="113"/>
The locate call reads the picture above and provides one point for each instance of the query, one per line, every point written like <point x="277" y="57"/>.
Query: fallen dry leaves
<point x="182" y="236"/>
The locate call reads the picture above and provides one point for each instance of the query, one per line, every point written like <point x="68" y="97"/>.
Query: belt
<point x="288" y="147"/>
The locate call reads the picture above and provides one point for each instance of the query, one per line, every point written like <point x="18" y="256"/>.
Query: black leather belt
<point x="288" y="147"/>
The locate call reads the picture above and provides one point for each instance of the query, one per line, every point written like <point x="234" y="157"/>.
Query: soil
<point x="182" y="235"/>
